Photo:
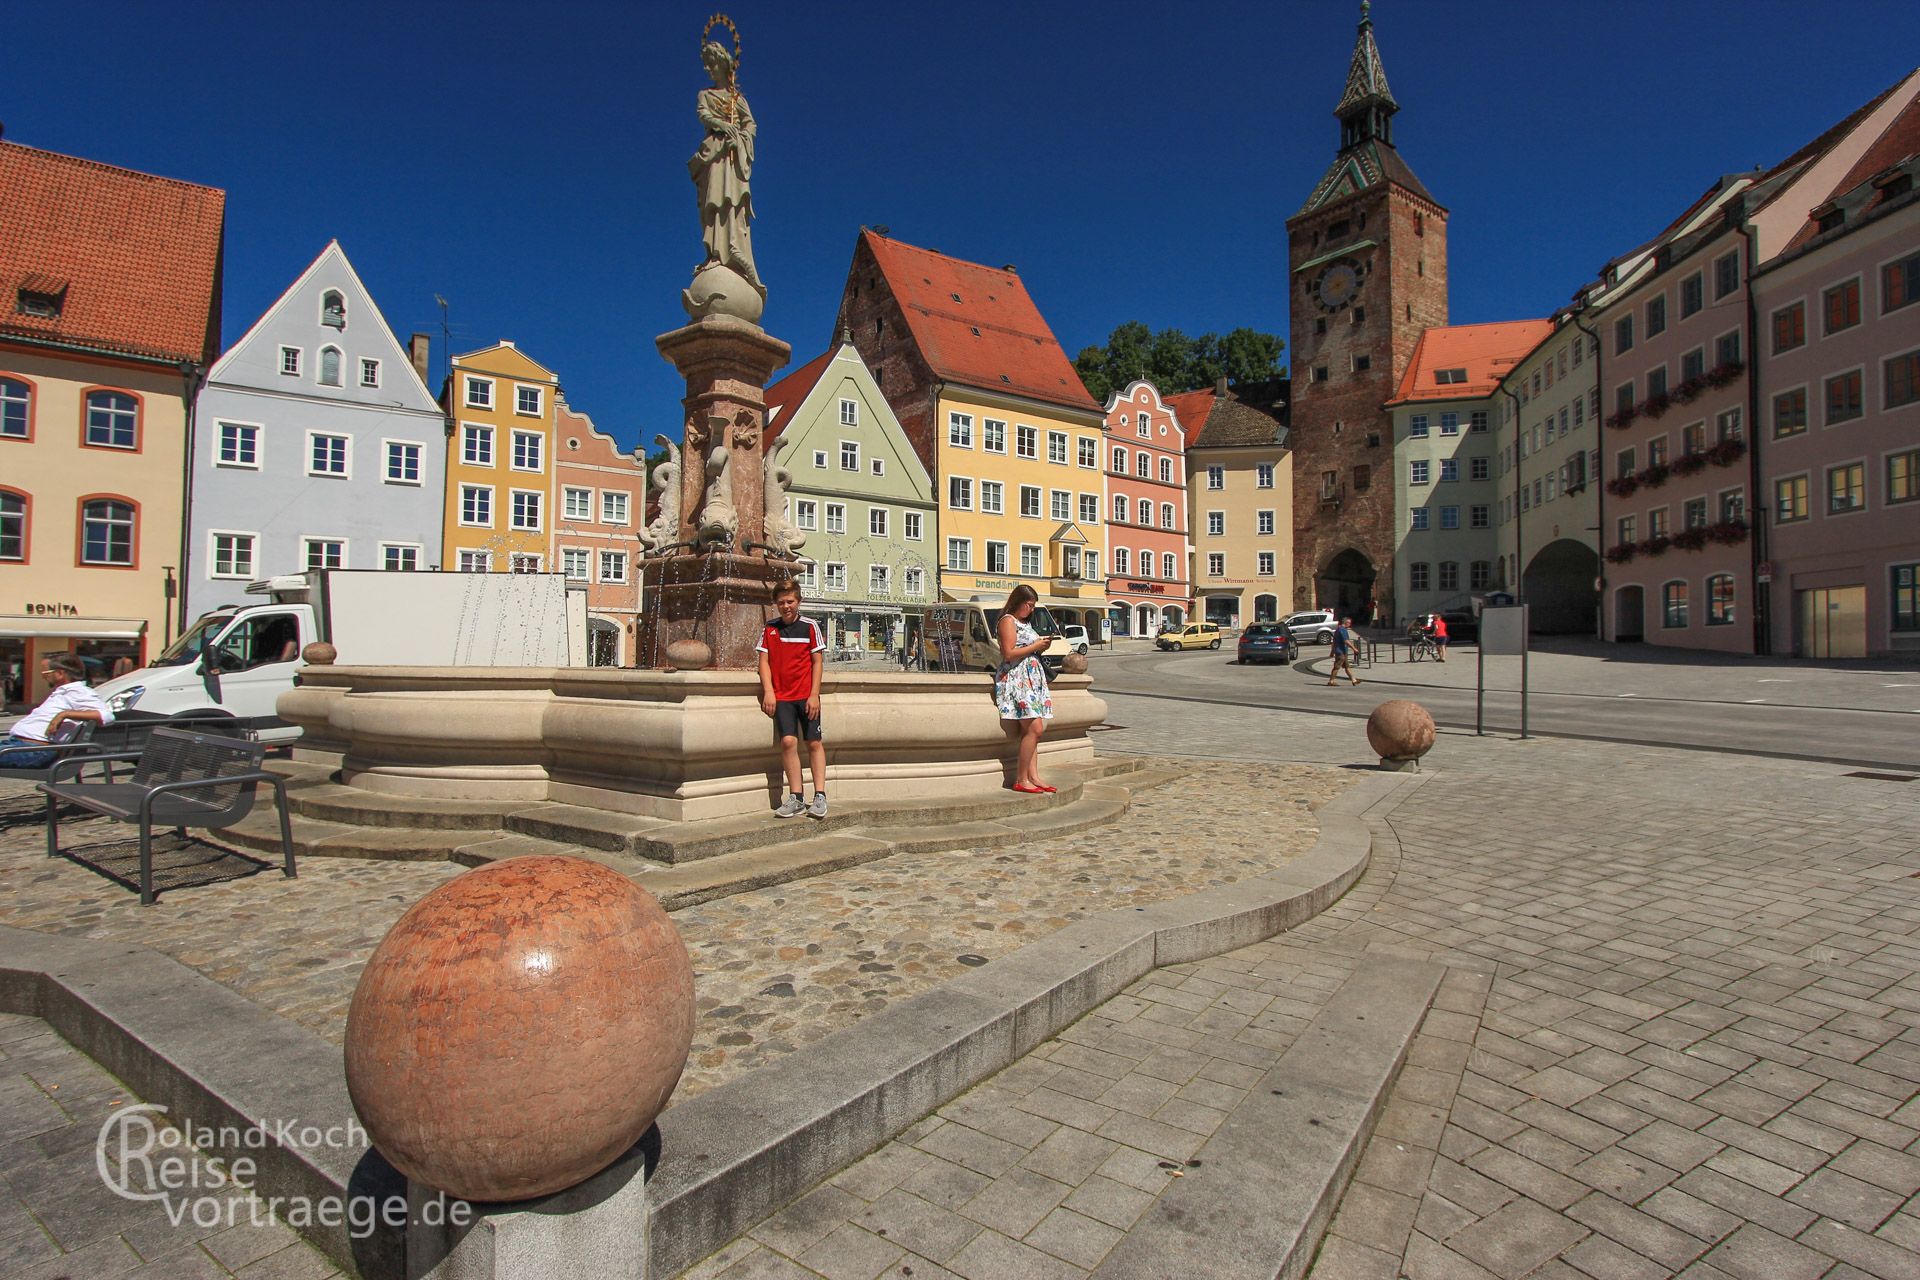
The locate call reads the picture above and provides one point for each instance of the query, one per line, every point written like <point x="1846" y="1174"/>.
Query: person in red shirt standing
<point x="1439" y="632"/>
<point x="792" y="658"/>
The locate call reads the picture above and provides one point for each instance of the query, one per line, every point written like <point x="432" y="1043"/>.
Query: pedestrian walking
<point x="1342" y="653"/>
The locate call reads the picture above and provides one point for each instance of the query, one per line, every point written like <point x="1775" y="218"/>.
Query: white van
<point x="964" y="636"/>
<point x="238" y="659"/>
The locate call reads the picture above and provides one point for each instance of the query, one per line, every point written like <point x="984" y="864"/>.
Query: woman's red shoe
<point x="1027" y="790"/>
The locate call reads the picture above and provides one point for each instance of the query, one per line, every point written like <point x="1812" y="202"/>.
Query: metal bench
<point x="80" y="744"/>
<point x="179" y="780"/>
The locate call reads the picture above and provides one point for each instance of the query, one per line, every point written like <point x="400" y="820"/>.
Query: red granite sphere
<point x="1400" y="730"/>
<point x="689" y="655"/>
<point x="519" y="1028"/>
<point x="320" y="654"/>
<point x="1074" y="664"/>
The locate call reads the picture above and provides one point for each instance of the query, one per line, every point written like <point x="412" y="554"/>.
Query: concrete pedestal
<point x="597" y="1229"/>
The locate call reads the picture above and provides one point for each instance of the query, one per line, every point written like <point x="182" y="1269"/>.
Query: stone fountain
<point x="691" y="743"/>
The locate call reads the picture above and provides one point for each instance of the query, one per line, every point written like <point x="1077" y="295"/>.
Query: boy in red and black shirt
<point x="792" y="657"/>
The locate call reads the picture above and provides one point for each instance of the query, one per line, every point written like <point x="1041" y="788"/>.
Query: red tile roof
<point x="785" y="396"/>
<point x="1190" y="410"/>
<point x="1900" y="140"/>
<point x="136" y="257"/>
<point x="977" y="325"/>
<point x="1485" y="351"/>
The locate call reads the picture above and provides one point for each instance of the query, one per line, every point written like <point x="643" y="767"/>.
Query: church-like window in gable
<point x="333" y="309"/>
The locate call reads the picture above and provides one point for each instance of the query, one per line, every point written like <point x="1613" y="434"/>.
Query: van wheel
<point x="1214" y="645"/>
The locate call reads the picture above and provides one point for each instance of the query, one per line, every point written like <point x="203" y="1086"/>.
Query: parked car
<point x="1315" y="626"/>
<point x="1076" y="638"/>
<point x="1463" y="626"/>
<point x="1193" y="635"/>
<point x="1268" y="642"/>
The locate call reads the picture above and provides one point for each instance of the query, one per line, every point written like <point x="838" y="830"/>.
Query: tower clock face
<point x="1338" y="284"/>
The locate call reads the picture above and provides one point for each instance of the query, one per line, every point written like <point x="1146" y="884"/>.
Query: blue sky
<point x="1134" y="160"/>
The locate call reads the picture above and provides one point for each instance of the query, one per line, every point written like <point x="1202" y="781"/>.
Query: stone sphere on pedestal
<point x="689" y="655"/>
<point x="519" y="1028"/>
<point x="1074" y="664"/>
<point x="320" y="654"/>
<point x="1400" y="730"/>
<point x="719" y="290"/>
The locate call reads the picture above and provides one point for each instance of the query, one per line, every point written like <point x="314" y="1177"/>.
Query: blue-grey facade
<point x="315" y="445"/>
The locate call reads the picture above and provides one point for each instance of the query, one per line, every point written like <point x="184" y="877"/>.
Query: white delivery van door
<point x="258" y="658"/>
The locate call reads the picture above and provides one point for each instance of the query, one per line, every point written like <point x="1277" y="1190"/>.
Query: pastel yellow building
<point x="500" y="487"/>
<point x="109" y="315"/>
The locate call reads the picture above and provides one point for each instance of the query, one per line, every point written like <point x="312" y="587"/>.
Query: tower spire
<point x="1367" y="105"/>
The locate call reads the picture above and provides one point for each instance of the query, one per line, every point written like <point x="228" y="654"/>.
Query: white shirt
<point x="72" y="696"/>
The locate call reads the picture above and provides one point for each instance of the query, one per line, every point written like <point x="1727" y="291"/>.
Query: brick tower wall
<point x="1404" y="294"/>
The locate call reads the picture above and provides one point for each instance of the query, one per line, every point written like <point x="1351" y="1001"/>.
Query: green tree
<point x="1175" y="362"/>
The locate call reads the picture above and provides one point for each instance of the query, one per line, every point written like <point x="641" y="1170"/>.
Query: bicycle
<point x="1422" y="646"/>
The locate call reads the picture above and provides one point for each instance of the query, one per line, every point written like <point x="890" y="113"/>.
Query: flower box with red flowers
<point x="1623" y="486"/>
<point x="1727" y="452"/>
<point x="1656" y="475"/>
<point x="1656" y="545"/>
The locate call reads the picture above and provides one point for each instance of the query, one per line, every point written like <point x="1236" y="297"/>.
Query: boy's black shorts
<point x="790" y="720"/>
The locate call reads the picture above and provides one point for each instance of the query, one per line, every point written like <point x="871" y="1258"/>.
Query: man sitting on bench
<point x="53" y="721"/>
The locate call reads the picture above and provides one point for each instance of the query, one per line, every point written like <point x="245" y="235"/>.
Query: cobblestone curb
<point x="731" y="1156"/>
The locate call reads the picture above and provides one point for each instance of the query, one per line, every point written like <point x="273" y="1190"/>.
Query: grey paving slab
<point x="59" y="1218"/>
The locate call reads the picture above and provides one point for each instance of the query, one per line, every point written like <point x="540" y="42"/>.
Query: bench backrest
<point x="174" y="755"/>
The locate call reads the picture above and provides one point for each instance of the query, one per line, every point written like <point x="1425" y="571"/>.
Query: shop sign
<point x="1004" y="584"/>
<point x="1145" y="588"/>
<point x="51" y="610"/>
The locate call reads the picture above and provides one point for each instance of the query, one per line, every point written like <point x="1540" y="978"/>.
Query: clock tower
<point x="1367" y="271"/>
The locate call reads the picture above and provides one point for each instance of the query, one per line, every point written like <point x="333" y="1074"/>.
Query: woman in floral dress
<point x="1021" y="686"/>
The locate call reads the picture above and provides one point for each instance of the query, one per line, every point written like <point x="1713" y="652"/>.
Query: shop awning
<point x="879" y="610"/>
<point x="15" y="626"/>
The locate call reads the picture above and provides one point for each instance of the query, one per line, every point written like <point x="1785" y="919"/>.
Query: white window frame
<point x="309" y="540"/>
<point x="466" y="555"/>
<point x="1086" y="452"/>
<point x="414" y="547"/>
<point x="913" y="525"/>
<point x="806" y="513"/>
<point x="618" y="560"/>
<point x="513" y="510"/>
<point x="471" y="383"/>
<point x="369" y="365"/>
<point x="849" y="412"/>
<point x="913" y="582"/>
<point x="1216" y="564"/>
<point x="1039" y="496"/>
<point x="993" y="436"/>
<point x="539" y="439"/>
<point x="963" y="562"/>
<point x="879" y="580"/>
<point x="834" y="518"/>
<point x="1032" y="559"/>
<point x="616" y="507"/>
<point x="1059" y="504"/>
<point x="213" y="554"/>
<point x="298" y="357"/>
<point x="568" y="511"/>
<point x="1263" y="475"/>
<point x="1216" y="524"/>
<point x="850" y="456"/>
<point x="1026" y="441"/>
<point x="878" y="521"/>
<point x="1264" y="522"/>
<point x="1006" y="557"/>
<point x="1263" y="564"/>
<point x="992" y="497"/>
<point x="461" y="510"/>
<point x="959" y="493"/>
<point x="346" y="471"/>
<point x="959" y="430"/>
<point x="580" y="556"/>
<point x="387" y="446"/>
<point x="476" y="432"/>
<point x="1057" y="444"/>
<point x="259" y="430"/>
<point x="1216" y="476"/>
<point x="520" y="391"/>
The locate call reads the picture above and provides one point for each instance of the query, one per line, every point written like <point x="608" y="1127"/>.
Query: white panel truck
<point x="237" y="660"/>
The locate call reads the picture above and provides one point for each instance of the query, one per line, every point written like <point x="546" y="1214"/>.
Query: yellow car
<point x="1194" y="635"/>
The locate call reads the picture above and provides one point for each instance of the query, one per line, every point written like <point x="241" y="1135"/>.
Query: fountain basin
<point x="682" y="745"/>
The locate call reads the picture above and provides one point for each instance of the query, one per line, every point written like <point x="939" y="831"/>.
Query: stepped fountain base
<point x="682" y="745"/>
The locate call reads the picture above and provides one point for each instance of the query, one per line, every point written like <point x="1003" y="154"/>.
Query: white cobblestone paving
<point x="1679" y="1035"/>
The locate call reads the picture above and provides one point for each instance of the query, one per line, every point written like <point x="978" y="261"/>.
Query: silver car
<point x="1315" y="626"/>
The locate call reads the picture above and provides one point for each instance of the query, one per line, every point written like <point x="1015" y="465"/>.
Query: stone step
<point x="1146" y="778"/>
<point x="601" y="829"/>
<point x="727" y="874"/>
<point x="331" y="802"/>
<point x="1106" y="766"/>
<point x="502" y="847"/>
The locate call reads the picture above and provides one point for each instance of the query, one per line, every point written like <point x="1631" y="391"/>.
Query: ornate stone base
<point x="684" y="745"/>
<point x="719" y="598"/>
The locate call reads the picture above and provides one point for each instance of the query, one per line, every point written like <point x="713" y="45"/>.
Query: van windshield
<point x="1040" y="620"/>
<point x="193" y="641"/>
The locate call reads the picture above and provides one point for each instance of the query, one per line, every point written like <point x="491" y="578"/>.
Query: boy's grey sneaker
<point x="818" y="809"/>
<point x="792" y="807"/>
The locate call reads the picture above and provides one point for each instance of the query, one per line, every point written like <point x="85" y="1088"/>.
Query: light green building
<point x="862" y="498"/>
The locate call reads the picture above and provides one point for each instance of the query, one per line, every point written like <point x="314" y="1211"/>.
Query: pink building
<point x="1676" y="516"/>
<point x="1148" y="548"/>
<point x="1839" y="395"/>
<point x="602" y="503"/>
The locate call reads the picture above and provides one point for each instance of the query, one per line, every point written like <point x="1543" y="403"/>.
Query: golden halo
<point x="722" y="20"/>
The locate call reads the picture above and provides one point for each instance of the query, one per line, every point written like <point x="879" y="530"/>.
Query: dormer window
<point x="39" y="304"/>
<point x="1446" y="377"/>
<point x="333" y="309"/>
